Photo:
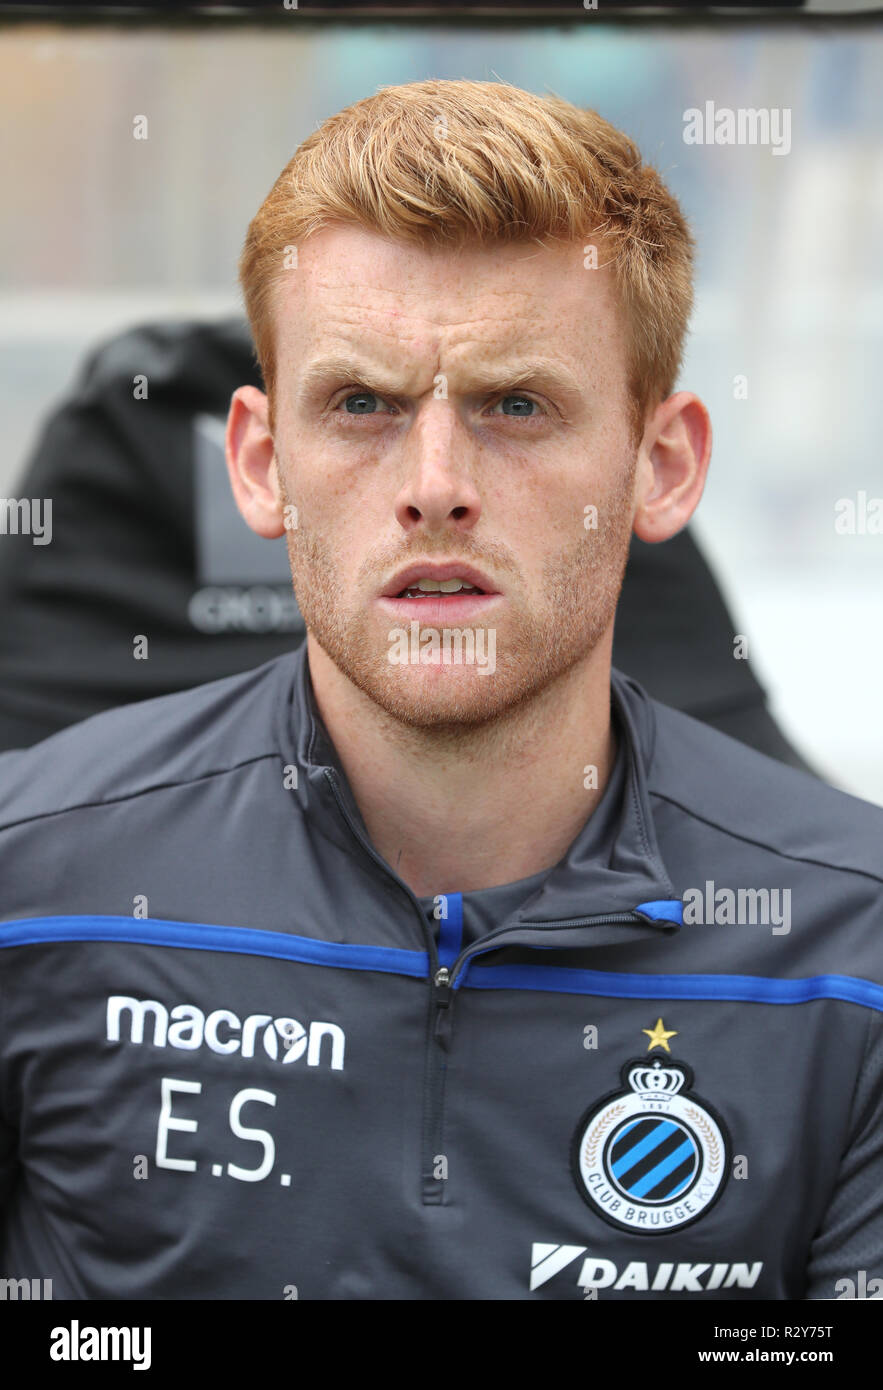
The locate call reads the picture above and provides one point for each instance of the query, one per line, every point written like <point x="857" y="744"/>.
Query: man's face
<point x="436" y="407"/>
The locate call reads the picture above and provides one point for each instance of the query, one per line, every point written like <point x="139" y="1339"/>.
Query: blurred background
<point x="100" y="232"/>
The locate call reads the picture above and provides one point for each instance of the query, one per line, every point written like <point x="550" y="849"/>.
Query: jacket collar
<point x="614" y="863"/>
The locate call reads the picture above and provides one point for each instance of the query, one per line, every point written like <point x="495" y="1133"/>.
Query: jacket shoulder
<point x="132" y="749"/>
<point x="752" y="797"/>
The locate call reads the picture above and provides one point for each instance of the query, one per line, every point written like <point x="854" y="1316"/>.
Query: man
<point x="437" y="960"/>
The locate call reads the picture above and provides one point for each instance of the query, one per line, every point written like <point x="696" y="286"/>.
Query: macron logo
<point x="187" y="1027"/>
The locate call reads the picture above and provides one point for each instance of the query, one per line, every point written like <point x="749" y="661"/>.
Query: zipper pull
<point x="443" y="995"/>
<point x="442" y="987"/>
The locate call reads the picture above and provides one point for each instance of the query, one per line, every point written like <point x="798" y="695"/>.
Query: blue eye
<point x="517" y="405"/>
<point x="361" y="403"/>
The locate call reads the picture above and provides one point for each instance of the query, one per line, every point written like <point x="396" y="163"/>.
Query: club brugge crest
<point x="651" y="1157"/>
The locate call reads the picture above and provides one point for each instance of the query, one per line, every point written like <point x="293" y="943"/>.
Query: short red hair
<point x="450" y="163"/>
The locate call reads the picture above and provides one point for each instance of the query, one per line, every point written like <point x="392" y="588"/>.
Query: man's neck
<point x="504" y="802"/>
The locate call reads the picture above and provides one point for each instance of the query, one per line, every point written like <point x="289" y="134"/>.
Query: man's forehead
<point x="339" y="256"/>
<point x="390" y="331"/>
<point x="360" y="290"/>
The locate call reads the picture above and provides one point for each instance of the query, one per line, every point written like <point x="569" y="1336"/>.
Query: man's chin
<point x="437" y="696"/>
<point x="471" y="690"/>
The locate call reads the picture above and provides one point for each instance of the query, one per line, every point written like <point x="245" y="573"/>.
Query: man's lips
<point x="409" y="577"/>
<point x="435" y="609"/>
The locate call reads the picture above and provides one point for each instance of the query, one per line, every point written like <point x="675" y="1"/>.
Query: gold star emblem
<point x="659" y="1036"/>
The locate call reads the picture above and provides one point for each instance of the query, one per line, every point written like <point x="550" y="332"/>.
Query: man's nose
<point x="439" y="485"/>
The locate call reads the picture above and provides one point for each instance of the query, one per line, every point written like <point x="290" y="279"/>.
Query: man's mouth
<point x="438" y="587"/>
<point x="445" y="582"/>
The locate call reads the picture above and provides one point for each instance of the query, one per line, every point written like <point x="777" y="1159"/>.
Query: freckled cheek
<point x="342" y="505"/>
<point x="319" y="483"/>
<point x="548" y="506"/>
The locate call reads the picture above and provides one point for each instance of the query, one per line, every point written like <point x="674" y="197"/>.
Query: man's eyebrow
<point x="327" y="370"/>
<point x="532" y="371"/>
<point x="492" y="377"/>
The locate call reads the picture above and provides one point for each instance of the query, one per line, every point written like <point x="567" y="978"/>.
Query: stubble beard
<point x="534" y="649"/>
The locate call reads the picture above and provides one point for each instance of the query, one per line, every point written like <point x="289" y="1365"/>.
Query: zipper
<point x="443" y="990"/>
<point x="493" y="939"/>
<point x="444" y="979"/>
<point x="435" y="1064"/>
<point x="439" y="1033"/>
<point x="444" y="998"/>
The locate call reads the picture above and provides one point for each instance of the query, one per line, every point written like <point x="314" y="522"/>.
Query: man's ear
<point x="251" y="463"/>
<point x="672" y="466"/>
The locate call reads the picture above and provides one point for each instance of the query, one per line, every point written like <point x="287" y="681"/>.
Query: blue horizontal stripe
<point x="198" y="936"/>
<point x="751" y="989"/>
<point x="251" y="941"/>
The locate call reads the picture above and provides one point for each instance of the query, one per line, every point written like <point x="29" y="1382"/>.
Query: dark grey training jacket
<point x="239" y="1060"/>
